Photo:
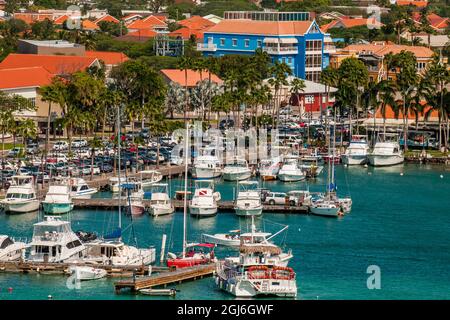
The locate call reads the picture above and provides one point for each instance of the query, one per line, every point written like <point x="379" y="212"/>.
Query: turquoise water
<point x="400" y="223"/>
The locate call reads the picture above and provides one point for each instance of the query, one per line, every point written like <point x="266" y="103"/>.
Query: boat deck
<point x="166" y="278"/>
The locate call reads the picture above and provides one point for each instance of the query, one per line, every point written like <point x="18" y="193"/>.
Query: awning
<point x="270" y="40"/>
<point x="288" y="40"/>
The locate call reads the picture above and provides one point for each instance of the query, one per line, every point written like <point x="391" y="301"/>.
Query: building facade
<point x="298" y="43"/>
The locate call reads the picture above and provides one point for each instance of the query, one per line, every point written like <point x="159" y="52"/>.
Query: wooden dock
<point x="166" y="278"/>
<point x="63" y="268"/>
<point x="224" y="206"/>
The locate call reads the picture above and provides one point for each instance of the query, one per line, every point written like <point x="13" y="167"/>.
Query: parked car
<point x="79" y="143"/>
<point x="32" y="148"/>
<point x="14" y="152"/>
<point x="60" y="145"/>
<point x="275" y="198"/>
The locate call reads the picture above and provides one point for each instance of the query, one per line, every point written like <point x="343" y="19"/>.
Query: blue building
<point x="299" y="43"/>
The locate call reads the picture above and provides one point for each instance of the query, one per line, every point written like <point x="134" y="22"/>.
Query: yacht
<point x="160" y="203"/>
<point x="357" y="151"/>
<point x="269" y="168"/>
<point x="20" y="196"/>
<point x="113" y="183"/>
<point x="84" y="273"/>
<point x="386" y="151"/>
<point x="248" y="199"/>
<point x="237" y="170"/>
<point x="150" y="177"/>
<point x="325" y="206"/>
<point x="80" y="189"/>
<point x="11" y="250"/>
<point x="290" y="170"/>
<point x="259" y="270"/>
<point x="54" y="241"/>
<point x="58" y="200"/>
<point x="135" y="197"/>
<point x="204" y="201"/>
<point x="206" y="167"/>
<point x="115" y="252"/>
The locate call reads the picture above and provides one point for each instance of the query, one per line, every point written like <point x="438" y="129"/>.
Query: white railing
<point x="281" y="50"/>
<point x="206" y="47"/>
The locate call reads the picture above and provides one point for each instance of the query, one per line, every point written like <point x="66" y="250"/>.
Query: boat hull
<point x="246" y="288"/>
<point x="289" y="177"/>
<point x="137" y="209"/>
<point x="237" y="176"/>
<point x="248" y="211"/>
<point x="202" y="211"/>
<point x="354" y="159"/>
<point x="18" y="207"/>
<point x="186" y="262"/>
<point x="325" y="211"/>
<point x="206" y="173"/>
<point x="214" y="239"/>
<point x="385" y="160"/>
<point x="268" y="177"/>
<point x="57" y="208"/>
<point x="161" y="211"/>
<point x="87" y="273"/>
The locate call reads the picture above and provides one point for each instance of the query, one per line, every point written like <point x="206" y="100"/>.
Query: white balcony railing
<point x="281" y="50"/>
<point x="206" y="47"/>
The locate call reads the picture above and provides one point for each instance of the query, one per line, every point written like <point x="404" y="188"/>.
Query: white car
<point x="275" y="198"/>
<point x="60" y="145"/>
<point x="79" y="143"/>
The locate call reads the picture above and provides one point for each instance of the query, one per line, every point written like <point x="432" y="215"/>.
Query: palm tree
<point x="94" y="143"/>
<point x="386" y="96"/>
<point x="26" y="129"/>
<point x="279" y="71"/>
<point x="185" y="63"/>
<point x="48" y="94"/>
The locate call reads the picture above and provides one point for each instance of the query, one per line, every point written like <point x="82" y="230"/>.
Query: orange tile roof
<point x="186" y="33"/>
<point x="178" y="76"/>
<point x="419" y="4"/>
<point x="261" y="27"/>
<point x="146" y="24"/>
<point x="140" y="35"/>
<point x="24" y="78"/>
<point x="350" y="23"/>
<point x="89" y="25"/>
<point x="434" y="20"/>
<point x="61" y="19"/>
<point x="107" y="18"/>
<point x="33" y="17"/>
<point x="196" y="22"/>
<point x="383" y="49"/>
<point x="109" y="58"/>
<point x="56" y="65"/>
<point x="155" y="18"/>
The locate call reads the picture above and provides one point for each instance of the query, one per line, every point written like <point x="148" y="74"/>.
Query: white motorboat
<point x="325" y="207"/>
<point x="236" y="170"/>
<point x="150" y="177"/>
<point x="248" y="199"/>
<point x="158" y="292"/>
<point x="160" y="202"/>
<point x="206" y="167"/>
<point x="80" y="189"/>
<point x="54" y="241"/>
<point x="20" y="196"/>
<point x="10" y="249"/>
<point x="260" y="270"/>
<point x="269" y="168"/>
<point x="357" y="151"/>
<point x="58" y="200"/>
<point x="204" y="201"/>
<point x="84" y="273"/>
<point x="290" y="170"/>
<point x="386" y="151"/>
<point x="113" y="183"/>
<point x="135" y="196"/>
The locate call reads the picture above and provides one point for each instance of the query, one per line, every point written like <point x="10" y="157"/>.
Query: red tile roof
<point x="419" y="4"/>
<point x="244" y="26"/>
<point x="138" y="35"/>
<point x="61" y="19"/>
<point x="107" y="18"/>
<point x="186" y="33"/>
<point x="147" y="23"/>
<point x="109" y="58"/>
<point x="89" y="25"/>
<point x="24" y="78"/>
<point x="196" y="22"/>
<point x="437" y="22"/>
<point x="346" y="22"/>
<point x="33" y="17"/>
<point x="193" y="77"/>
<point x="56" y="65"/>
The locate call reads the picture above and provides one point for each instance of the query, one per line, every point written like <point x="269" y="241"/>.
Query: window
<point x="32" y="102"/>
<point x="309" y="99"/>
<point x="290" y="60"/>
<point x="222" y="41"/>
<point x="234" y="42"/>
<point x="314" y="45"/>
<point x="247" y="43"/>
<point x="259" y="43"/>
<point x="313" y="61"/>
<point x="313" y="76"/>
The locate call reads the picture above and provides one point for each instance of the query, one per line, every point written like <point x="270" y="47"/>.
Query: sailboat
<point x="111" y="249"/>
<point x="194" y="253"/>
<point x="329" y="205"/>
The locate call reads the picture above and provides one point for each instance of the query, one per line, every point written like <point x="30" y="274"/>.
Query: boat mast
<point x="334" y="146"/>
<point x="186" y="145"/>
<point x="118" y="160"/>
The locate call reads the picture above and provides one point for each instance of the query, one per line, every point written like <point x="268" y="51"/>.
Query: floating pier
<point x="63" y="268"/>
<point x="166" y="278"/>
<point x="224" y="206"/>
